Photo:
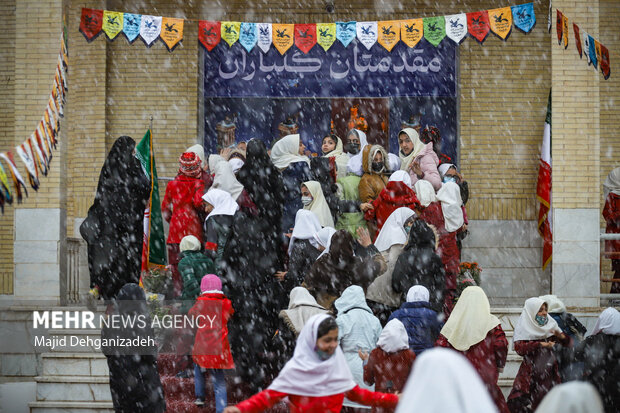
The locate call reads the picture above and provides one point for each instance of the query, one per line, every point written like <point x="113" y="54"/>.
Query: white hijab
<point x="306" y="374"/>
<point x="470" y="320"/>
<point x="200" y="153"/>
<point x="612" y="182"/>
<point x="417" y="293"/>
<point x="323" y="237"/>
<point x="608" y="322"/>
<point x="319" y="204"/>
<point x="418" y="146"/>
<point x="301" y="307"/>
<point x="286" y="152"/>
<point x="236" y="164"/>
<point x="425" y="192"/>
<point x="189" y="243"/>
<point x="225" y="179"/>
<point x="223" y="203"/>
<point x="443" y="168"/>
<point x="355" y="163"/>
<point x="214" y="160"/>
<point x="306" y="225"/>
<point x="443" y="380"/>
<point x="527" y="328"/>
<point x="394" y="337"/>
<point x="572" y="397"/>
<point x="401" y="176"/>
<point x="554" y="304"/>
<point x="450" y="196"/>
<point x="393" y="231"/>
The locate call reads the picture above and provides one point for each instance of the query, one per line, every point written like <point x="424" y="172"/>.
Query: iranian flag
<point x="543" y="191"/>
<point x="154" y="243"/>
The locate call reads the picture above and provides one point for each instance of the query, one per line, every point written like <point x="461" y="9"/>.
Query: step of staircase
<point x="73" y="388"/>
<point x="74" y="364"/>
<point x="71" y="407"/>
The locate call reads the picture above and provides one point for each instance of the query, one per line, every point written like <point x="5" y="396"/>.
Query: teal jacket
<point x="193" y="266"/>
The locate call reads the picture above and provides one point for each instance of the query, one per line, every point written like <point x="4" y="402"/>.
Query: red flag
<point x="578" y="40"/>
<point x="91" y="22"/>
<point x="543" y="191"/>
<point x="305" y="36"/>
<point x="478" y="25"/>
<point x="604" y="62"/>
<point x="559" y="25"/>
<point x="209" y="33"/>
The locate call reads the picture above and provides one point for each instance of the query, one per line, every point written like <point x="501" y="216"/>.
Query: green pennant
<point x="434" y="29"/>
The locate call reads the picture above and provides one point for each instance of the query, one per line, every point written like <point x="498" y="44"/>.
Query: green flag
<point x="154" y="247"/>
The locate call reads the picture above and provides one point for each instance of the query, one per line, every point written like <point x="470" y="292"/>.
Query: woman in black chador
<point x="113" y="228"/>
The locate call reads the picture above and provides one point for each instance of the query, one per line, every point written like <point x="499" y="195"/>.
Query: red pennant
<point x="478" y="25"/>
<point x="578" y="40"/>
<point x="559" y="25"/>
<point x="604" y="62"/>
<point x="91" y="22"/>
<point x="209" y="33"/>
<point x="305" y="36"/>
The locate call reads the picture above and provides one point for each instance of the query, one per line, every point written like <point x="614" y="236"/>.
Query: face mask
<point x="377" y="166"/>
<point x="447" y="179"/>
<point x="323" y="355"/>
<point x="407" y="229"/>
<point x="353" y="148"/>
<point x="541" y="320"/>
<point x="306" y="200"/>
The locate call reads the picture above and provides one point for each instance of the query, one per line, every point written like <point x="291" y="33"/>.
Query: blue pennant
<point x="524" y="17"/>
<point x="131" y="26"/>
<point x="248" y="36"/>
<point x="592" y="50"/>
<point x="345" y="32"/>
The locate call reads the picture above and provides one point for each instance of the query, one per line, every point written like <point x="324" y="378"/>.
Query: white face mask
<point x="306" y="200"/>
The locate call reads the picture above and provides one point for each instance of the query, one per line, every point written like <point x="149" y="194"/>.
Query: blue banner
<point x="340" y="72"/>
<point x="345" y="32"/>
<point x="523" y="16"/>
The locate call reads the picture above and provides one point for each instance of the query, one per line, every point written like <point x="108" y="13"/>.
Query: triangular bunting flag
<point x="523" y="17"/>
<point x="411" y="31"/>
<point x="283" y="36"/>
<point x="367" y="33"/>
<point x="559" y="25"/>
<point x="549" y="22"/>
<point x="346" y="32"/>
<point x="18" y="181"/>
<point x="131" y="26"/>
<point x="434" y="30"/>
<point x="388" y="34"/>
<point x="90" y="23"/>
<point x="40" y="144"/>
<point x="49" y="126"/>
<point x="47" y="142"/>
<point x="112" y="23"/>
<point x="565" y="31"/>
<point x="305" y="36"/>
<point x="230" y="32"/>
<point x="326" y="35"/>
<point x="23" y="151"/>
<point x="171" y="32"/>
<point x="456" y="27"/>
<point x="478" y="25"/>
<point x="264" y="36"/>
<point x="248" y="36"/>
<point x="586" y="44"/>
<point x="578" y="40"/>
<point x="5" y="186"/>
<point x="604" y="63"/>
<point x="500" y="22"/>
<point x="150" y="28"/>
<point x="592" y="51"/>
<point x="39" y="160"/>
<point x="209" y="33"/>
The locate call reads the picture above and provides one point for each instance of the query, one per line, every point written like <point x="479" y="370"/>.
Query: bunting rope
<point x="36" y="151"/>
<point x="282" y="37"/>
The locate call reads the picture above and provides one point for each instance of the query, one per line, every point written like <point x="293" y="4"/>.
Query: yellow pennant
<point x="500" y="21"/>
<point x="171" y="32"/>
<point x="565" y="30"/>
<point x="112" y="23"/>
<point x="230" y="32"/>
<point x="597" y="47"/>
<point x="326" y="34"/>
<point x="411" y="31"/>
<point x="283" y="36"/>
<point x="389" y="33"/>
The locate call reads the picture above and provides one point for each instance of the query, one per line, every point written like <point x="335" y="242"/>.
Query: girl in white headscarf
<point x="535" y="335"/>
<point x="478" y="335"/>
<point x="301" y="307"/>
<point x="425" y="192"/>
<point x="332" y="148"/>
<point x="226" y="180"/>
<point x="220" y="208"/>
<point x="418" y="159"/>
<point x="317" y="378"/>
<point x="451" y="204"/>
<point x="600" y="353"/>
<point x="390" y="363"/>
<point x="313" y="199"/>
<point x="288" y="150"/>
<point x="356" y="142"/>
<point x="323" y="238"/>
<point x="443" y="381"/>
<point x="572" y="397"/>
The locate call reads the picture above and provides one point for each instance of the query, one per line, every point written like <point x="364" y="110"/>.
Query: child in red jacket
<point x="211" y="349"/>
<point x="317" y="378"/>
<point x="389" y="364"/>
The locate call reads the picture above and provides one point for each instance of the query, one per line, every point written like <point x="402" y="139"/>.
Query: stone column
<point x="575" y="155"/>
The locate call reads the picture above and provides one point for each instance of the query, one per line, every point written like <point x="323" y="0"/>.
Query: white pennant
<point x="34" y="145"/>
<point x="456" y="27"/>
<point x="13" y="167"/>
<point x="150" y="27"/>
<point x="586" y="46"/>
<point x="264" y="36"/>
<point x="27" y="158"/>
<point x="367" y="33"/>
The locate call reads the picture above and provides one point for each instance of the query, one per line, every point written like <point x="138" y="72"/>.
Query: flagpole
<point x="151" y="155"/>
<point x="151" y="124"/>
